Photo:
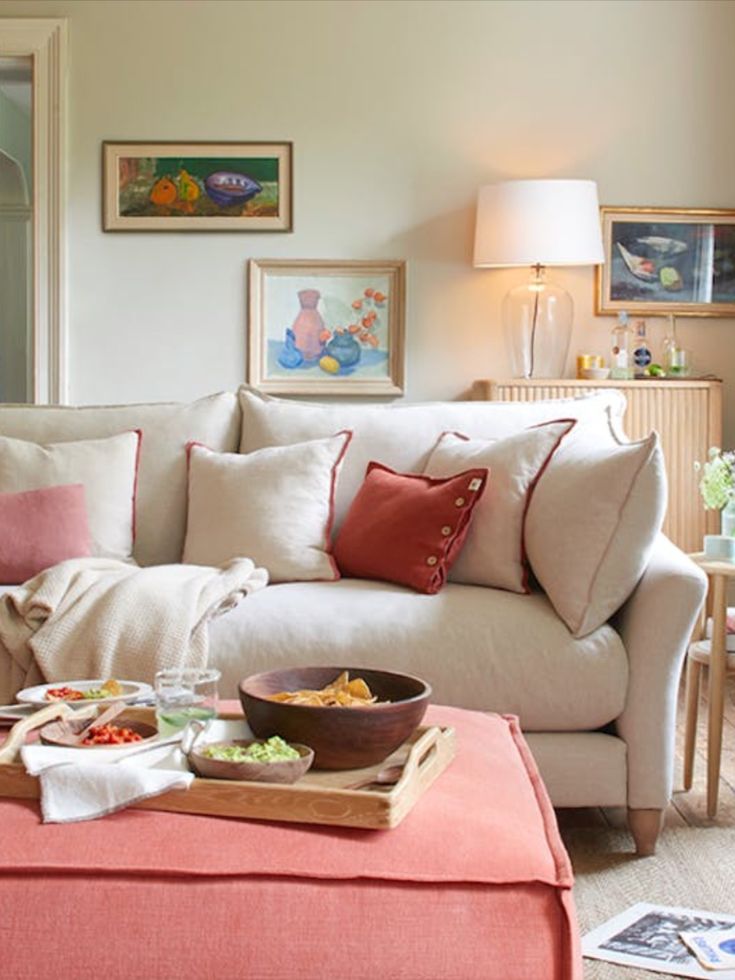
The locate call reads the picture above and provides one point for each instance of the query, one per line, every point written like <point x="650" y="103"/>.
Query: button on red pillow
<point x="407" y="528"/>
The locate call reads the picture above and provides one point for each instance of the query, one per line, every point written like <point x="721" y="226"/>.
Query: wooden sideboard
<point x="686" y="414"/>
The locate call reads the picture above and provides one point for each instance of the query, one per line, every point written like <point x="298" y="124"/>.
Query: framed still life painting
<point x="326" y="328"/>
<point x="197" y="186"/>
<point x="667" y="260"/>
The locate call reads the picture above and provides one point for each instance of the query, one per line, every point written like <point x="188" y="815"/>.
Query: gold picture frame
<point x="197" y="186"/>
<point x="667" y="260"/>
<point x="326" y="327"/>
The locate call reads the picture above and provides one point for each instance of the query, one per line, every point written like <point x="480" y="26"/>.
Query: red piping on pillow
<point x="189" y="446"/>
<point x="139" y="433"/>
<point x="532" y="487"/>
<point x="347" y="433"/>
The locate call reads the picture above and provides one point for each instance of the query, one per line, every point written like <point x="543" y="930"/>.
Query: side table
<point x="715" y="654"/>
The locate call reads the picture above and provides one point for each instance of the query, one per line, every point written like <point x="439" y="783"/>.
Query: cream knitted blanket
<point x="96" y="617"/>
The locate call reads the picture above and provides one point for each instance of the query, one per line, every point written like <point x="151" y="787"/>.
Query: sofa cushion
<point x="478" y="648"/>
<point x="166" y="428"/>
<point x="493" y="554"/>
<point x="39" y="528"/>
<point x="274" y="506"/>
<point x="407" y="528"/>
<point x="592" y="524"/>
<point x="403" y="436"/>
<point x="107" y="469"/>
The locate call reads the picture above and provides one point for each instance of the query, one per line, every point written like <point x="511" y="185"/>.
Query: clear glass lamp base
<point x="537" y="319"/>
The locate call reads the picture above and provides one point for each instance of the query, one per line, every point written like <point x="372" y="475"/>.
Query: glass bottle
<point x="642" y="356"/>
<point x="622" y="349"/>
<point x="676" y="359"/>
<point x="669" y="344"/>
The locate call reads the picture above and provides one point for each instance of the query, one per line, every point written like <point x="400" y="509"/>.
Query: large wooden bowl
<point x="342" y="738"/>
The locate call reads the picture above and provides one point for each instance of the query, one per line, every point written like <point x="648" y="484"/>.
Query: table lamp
<point x="538" y="223"/>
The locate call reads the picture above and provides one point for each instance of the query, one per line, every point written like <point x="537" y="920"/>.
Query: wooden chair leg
<point x="645" y="826"/>
<point x="694" y="672"/>
<point x="716" y="693"/>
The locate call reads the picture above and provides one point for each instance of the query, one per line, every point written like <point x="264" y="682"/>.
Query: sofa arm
<point x="655" y="625"/>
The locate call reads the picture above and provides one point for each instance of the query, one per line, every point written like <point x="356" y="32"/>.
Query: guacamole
<point x="273" y="749"/>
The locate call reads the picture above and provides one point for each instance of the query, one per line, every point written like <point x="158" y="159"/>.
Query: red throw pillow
<point x="39" y="528"/>
<point x="407" y="528"/>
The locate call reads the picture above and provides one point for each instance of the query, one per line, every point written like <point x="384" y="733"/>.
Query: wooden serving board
<point x="319" y="797"/>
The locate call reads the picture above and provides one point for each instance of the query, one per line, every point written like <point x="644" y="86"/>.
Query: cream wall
<point x="398" y="111"/>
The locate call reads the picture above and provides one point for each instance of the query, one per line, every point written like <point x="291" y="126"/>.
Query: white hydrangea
<point x="717" y="483"/>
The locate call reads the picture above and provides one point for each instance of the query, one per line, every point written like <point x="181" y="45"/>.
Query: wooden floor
<point x="686" y="809"/>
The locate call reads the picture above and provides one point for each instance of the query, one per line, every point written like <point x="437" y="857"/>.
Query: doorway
<point x="16" y="229"/>
<point x="32" y="200"/>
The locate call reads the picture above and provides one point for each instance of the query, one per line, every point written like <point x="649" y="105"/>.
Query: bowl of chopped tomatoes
<point x="121" y="733"/>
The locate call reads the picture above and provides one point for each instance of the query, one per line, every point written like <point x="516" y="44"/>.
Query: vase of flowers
<point x="717" y="486"/>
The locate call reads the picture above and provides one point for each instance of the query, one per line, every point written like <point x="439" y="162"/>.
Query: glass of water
<point x="185" y="693"/>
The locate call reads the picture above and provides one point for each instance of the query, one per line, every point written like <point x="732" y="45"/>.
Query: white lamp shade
<point x="544" y="222"/>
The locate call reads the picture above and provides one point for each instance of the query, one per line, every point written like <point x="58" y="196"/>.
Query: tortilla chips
<point x="341" y="693"/>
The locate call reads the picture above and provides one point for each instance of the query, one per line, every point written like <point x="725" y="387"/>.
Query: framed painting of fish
<point x="197" y="186"/>
<point x="326" y="328"/>
<point x="667" y="260"/>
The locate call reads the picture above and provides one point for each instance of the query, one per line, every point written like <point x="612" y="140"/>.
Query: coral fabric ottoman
<point x="474" y="883"/>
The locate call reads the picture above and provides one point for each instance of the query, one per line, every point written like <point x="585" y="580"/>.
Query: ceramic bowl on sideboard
<point x="281" y="771"/>
<point x="596" y="373"/>
<point x="341" y="737"/>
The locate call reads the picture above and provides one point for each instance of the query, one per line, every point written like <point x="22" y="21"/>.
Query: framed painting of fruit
<point x="326" y="328"/>
<point x="197" y="186"/>
<point x="667" y="260"/>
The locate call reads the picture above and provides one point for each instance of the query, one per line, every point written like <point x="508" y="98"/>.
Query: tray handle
<point x="422" y="752"/>
<point x="17" y="734"/>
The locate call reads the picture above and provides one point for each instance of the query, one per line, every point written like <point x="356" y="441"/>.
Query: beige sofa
<point x="598" y="711"/>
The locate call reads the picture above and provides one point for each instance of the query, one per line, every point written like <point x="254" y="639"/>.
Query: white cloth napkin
<point x="79" y="785"/>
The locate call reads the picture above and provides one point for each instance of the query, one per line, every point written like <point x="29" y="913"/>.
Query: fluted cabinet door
<point x="687" y="416"/>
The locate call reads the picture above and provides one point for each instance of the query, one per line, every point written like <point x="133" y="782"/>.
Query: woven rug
<point x="693" y="867"/>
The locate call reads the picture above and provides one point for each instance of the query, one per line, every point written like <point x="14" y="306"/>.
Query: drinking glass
<point x="183" y="694"/>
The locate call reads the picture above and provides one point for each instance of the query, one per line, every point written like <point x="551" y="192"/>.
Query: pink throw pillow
<point x="39" y="528"/>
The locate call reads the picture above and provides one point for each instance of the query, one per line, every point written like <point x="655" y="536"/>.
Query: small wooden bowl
<point x="57" y="733"/>
<point x="284" y="771"/>
<point x="342" y="738"/>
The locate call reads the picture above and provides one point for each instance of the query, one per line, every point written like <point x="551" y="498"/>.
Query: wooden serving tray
<point x="319" y="797"/>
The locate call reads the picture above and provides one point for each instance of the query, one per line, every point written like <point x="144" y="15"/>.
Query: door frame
<point x="44" y="39"/>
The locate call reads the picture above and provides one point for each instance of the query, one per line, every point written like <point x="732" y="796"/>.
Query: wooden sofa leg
<point x="645" y="826"/>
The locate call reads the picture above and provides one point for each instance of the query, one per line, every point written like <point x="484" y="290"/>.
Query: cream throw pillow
<point x="107" y="468"/>
<point x="167" y="429"/>
<point x="591" y="525"/>
<point x="403" y="436"/>
<point x="493" y="553"/>
<point x="274" y="506"/>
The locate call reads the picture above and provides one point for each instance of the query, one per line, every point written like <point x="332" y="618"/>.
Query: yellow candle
<point x="585" y="361"/>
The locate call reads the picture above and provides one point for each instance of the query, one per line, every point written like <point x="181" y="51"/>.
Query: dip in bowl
<point x="258" y="760"/>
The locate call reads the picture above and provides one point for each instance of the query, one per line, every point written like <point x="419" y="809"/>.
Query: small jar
<point x="585" y="361"/>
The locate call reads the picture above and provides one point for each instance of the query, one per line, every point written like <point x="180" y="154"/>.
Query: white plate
<point x="132" y="690"/>
<point x="10" y="713"/>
